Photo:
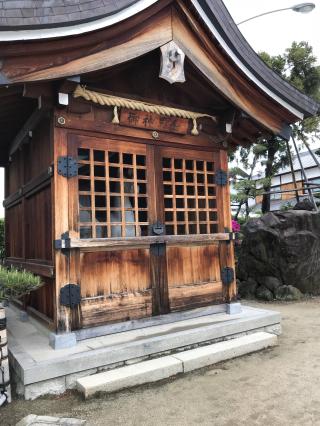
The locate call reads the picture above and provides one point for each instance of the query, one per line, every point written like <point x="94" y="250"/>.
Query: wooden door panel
<point x="190" y="207"/>
<point x="193" y="276"/>
<point x="115" y="286"/>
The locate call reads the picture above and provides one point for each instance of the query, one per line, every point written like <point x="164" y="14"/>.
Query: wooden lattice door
<point x="190" y="208"/>
<point x="122" y="192"/>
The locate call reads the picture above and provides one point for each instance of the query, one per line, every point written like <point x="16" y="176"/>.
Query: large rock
<point x="264" y="293"/>
<point x="283" y="248"/>
<point x="288" y="293"/>
<point x="247" y="289"/>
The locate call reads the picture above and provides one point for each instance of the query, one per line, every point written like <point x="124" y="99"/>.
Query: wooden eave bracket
<point x="37" y="115"/>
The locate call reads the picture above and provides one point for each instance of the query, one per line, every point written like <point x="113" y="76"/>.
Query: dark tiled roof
<point x="46" y="13"/>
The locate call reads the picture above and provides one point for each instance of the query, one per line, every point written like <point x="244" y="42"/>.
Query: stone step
<point x="212" y="354"/>
<point x="167" y="366"/>
<point x="131" y="375"/>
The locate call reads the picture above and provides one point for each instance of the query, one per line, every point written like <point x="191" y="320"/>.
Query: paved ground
<point x="280" y="386"/>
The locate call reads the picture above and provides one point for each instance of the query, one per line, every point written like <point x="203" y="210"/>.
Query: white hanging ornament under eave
<point x="172" y="63"/>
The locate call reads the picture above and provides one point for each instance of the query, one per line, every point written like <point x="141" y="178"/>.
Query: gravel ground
<point x="280" y="386"/>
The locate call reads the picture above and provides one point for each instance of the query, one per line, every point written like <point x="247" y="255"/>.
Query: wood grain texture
<point x="146" y="120"/>
<point x="115" y="286"/>
<point x="125" y="47"/>
<point x="63" y="315"/>
<point x="114" y="272"/>
<point x="226" y="249"/>
<point x="108" y="310"/>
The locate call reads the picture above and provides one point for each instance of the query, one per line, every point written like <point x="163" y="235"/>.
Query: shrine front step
<point x="39" y="369"/>
<point x="168" y="366"/>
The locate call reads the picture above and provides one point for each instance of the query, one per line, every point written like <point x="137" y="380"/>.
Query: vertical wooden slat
<point x="135" y="191"/>
<point x="196" y="194"/>
<point x="206" y="188"/>
<point x="108" y="193"/>
<point x="184" y="175"/>
<point x="121" y="183"/>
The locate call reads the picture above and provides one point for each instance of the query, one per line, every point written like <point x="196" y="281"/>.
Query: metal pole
<point x="263" y="14"/>
<point x="312" y="153"/>
<point x="292" y="171"/>
<point x="304" y="173"/>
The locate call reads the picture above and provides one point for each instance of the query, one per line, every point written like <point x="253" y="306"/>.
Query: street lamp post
<point x="301" y="8"/>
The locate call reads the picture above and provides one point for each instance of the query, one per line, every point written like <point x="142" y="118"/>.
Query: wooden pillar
<point x="158" y="252"/>
<point x="226" y="248"/>
<point x="63" y="315"/>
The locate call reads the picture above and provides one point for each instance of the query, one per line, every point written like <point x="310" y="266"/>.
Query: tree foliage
<point x="14" y="283"/>
<point x="297" y="65"/>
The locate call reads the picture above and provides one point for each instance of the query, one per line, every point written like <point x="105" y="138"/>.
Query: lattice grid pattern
<point x="112" y="194"/>
<point x="189" y="196"/>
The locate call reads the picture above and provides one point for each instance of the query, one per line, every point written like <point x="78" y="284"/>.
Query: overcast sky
<point x="275" y="32"/>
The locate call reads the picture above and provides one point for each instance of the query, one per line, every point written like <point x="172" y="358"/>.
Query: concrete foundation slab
<point x="34" y="362"/>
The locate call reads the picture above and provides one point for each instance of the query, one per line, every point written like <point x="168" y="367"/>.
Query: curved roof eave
<point x="218" y="21"/>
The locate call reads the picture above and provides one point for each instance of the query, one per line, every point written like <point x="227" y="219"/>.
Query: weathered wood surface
<point x="170" y="240"/>
<point x="193" y="276"/>
<point x="102" y="128"/>
<point x="115" y="286"/>
<point x="63" y="315"/>
<point x="226" y="249"/>
<point x="120" y="44"/>
<point x="147" y="120"/>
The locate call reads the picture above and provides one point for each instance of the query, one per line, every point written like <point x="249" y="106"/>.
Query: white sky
<point x="272" y="33"/>
<point x="275" y="32"/>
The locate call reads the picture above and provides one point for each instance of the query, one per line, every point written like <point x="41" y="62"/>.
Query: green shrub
<point x="14" y="283"/>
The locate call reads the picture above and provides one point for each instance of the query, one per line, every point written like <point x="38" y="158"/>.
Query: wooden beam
<point x="114" y="131"/>
<point x="28" y="126"/>
<point x="134" y="242"/>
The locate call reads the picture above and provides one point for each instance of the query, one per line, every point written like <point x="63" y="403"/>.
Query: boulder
<point x="247" y="289"/>
<point x="264" y="293"/>
<point x="272" y="283"/>
<point x="288" y="293"/>
<point x="282" y="249"/>
<point x="305" y="204"/>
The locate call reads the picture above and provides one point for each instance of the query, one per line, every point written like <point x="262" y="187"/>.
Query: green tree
<point x="245" y="187"/>
<point x="298" y="66"/>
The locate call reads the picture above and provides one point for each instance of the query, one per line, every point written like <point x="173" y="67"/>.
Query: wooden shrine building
<point x="116" y="118"/>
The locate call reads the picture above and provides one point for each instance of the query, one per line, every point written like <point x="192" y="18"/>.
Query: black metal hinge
<point x="221" y="178"/>
<point x="158" y="229"/>
<point x="67" y="166"/>
<point x="70" y="295"/>
<point x="63" y="243"/>
<point x="227" y="275"/>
